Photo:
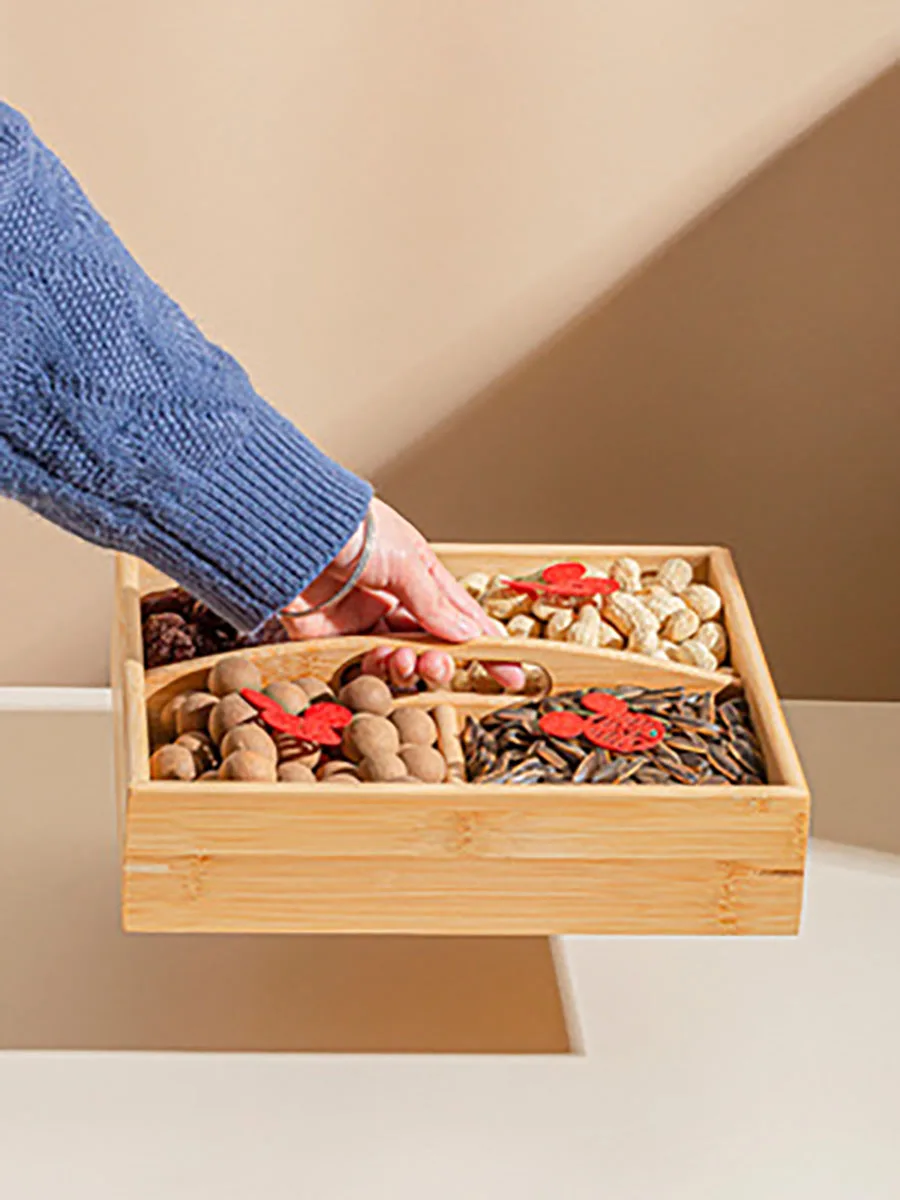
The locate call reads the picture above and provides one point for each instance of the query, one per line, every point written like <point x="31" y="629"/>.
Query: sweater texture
<point x="122" y="423"/>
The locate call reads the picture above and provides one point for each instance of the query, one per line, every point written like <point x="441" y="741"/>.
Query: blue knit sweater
<point x="120" y="422"/>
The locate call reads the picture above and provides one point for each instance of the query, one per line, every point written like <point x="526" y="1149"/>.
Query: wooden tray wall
<point x="463" y="858"/>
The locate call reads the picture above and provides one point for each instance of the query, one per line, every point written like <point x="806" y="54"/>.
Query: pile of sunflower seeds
<point x="708" y="739"/>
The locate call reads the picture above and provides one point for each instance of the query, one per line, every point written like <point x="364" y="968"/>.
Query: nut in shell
<point x="476" y="584"/>
<point x="368" y="736"/>
<point x="247" y="767"/>
<point x="505" y="607"/>
<point x="704" y="600"/>
<point x="414" y="727"/>
<point x="681" y="625"/>
<point x="660" y="601"/>
<point x="609" y="637"/>
<point x="200" y="745"/>
<point x="425" y="763"/>
<point x="292" y="698"/>
<point x="249" y="737"/>
<point x="585" y="630"/>
<point x="524" y="626"/>
<point x="367" y="694"/>
<point x="382" y="769"/>
<point x="713" y="636"/>
<point x="316" y="689"/>
<point x="173" y="762"/>
<point x="193" y="714"/>
<point x="545" y="608"/>
<point x="295" y="772"/>
<point x="643" y="640"/>
<point x="695" y="654"/>
<point x="627" y="574"/>
<point x="675" y="574"/>
<point x="231" y="710"/>
<point x="233" y="673"/>
<point x="559" y="624"/>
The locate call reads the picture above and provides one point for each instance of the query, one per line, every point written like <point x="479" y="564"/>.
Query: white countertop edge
<point x="55" y="699"/>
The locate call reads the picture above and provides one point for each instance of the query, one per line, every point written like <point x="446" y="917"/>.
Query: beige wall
<point x="381" y="208"/>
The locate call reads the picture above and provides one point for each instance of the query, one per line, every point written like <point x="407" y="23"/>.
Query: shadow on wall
<point x="742" y="387"/>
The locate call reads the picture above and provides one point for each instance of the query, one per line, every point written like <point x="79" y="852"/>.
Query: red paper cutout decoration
<point x="561" y="724"/>
<point x="320" y="723"/>
<point x="613" y="725"/>
<point x="624" y="734"/>
<point x="604" y="704"/>
<point x="569" y="580"/>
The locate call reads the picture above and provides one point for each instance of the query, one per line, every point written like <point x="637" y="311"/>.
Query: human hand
<point x="403" y="588"/>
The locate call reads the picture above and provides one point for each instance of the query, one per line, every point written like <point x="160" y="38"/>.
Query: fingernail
<point x="467" y="628"/>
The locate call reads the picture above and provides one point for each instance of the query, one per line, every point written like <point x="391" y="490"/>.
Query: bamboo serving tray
<point x="458" y="858"/>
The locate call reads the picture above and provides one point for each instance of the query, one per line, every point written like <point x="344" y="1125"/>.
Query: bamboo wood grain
<point x="516" y="896"/>
<point x="463" y="858"/>
<point x="568" y="664"/>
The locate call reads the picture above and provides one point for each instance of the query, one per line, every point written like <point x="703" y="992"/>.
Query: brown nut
<point x="232" y="674"/>
<point x="244" y="765"/>
<point x="295" y="772"/>
<point x="194" y="713"/>
<point x="337" y="766"/>
<point x="415" y="727"/>
<point x="293" y="699"/>
<point x="173" y="762"/>
<point x="367" y="694"/>
<point x="382" y="769"/>
<point x="368" y="736"/>
<point x="200" y="745"/>
<point x="209" y="777"/>
<point x="231" y="711"/>
<point x="249" y="737"/>
<point x="425" y="763"/>
<point x="316" y="689"/>
<point x="169" y="715"/>
<point x="343" y="778"/>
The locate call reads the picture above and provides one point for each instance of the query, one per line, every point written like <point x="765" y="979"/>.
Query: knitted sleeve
<point x="120" y="422"/>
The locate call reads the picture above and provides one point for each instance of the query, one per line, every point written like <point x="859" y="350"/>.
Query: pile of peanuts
<point x="214" y="733"/>
<point x="663" y="613"/>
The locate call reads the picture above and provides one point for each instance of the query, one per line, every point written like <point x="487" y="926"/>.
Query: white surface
<point x="752" y="1069"/>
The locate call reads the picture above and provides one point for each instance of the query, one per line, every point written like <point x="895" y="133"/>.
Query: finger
<point x="402" y="667"/>
<point x="508" y="675"/>
<point x="418" y="590"/>
<point x="435" y="667"/>
<point x="376" y="662"/>
<point x="466" y="603"/>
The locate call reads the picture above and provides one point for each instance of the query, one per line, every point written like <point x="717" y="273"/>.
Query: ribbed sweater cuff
<point x="250" y="532"/>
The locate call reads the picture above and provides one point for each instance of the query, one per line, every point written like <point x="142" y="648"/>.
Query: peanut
<point x="661" y="602"/>
<point x="643" y="641"/>
<point x="504" y="607"/>
<point x="705" y="601"/>
<point x="627" y="613"/>
<point x="681" y="625"/>
<point x="695" y="654"/>
<point x="559" y="624"/>
<point x="675" y="574"/>
<point x="713" y="636"/>
<point x="610" y="638"/>
<point x="476" y="584"/>
<point x="585" y="631"/>
<point x="627" y="573"/>
<point x="523" y="626"/>
<point x="544" y="609"/>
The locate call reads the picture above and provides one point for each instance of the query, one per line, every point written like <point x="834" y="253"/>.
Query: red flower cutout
<point x="604" y="704"/>
<point x="612" y="727"/>
<point x="624" y="734"/>
<point x="561" y="724"/>
<point x="569" y="580"/>
<point x="320" y="724"/>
